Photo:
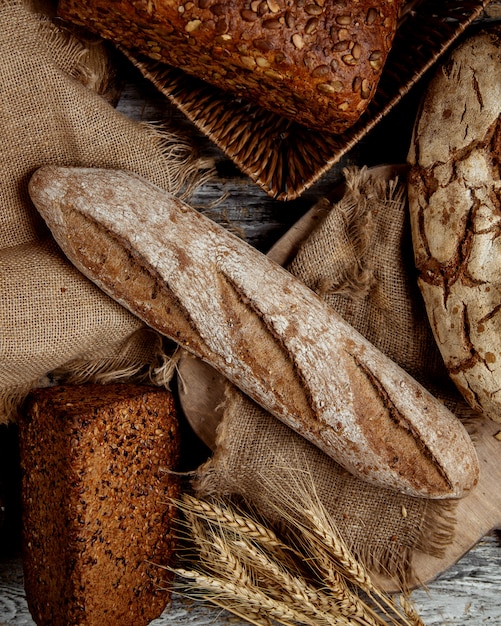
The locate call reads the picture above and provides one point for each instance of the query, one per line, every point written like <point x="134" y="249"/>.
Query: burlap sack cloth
<point x="359" y="259"/>
<point x="52" y="112"/>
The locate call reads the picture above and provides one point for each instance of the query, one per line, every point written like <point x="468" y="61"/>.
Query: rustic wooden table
<point x="468" y="593"/>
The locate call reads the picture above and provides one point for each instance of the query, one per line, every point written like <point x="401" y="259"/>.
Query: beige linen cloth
<point x="53" y="111"/>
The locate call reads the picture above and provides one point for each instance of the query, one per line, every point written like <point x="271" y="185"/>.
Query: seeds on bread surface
<point x="314" y="61"/>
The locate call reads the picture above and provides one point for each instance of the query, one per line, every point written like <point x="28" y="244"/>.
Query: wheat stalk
<point x="230" y="518"/>
<point x="340" y="567"/>
<point x="306" y="514"/>
<point x="239" y="522"/>
<point x="233" y="559"/>
<point x="350" y="602"/>
<point x="257" y="617"/>
<point x="226" y="591"/>
<point x="226" y="561"/>
<point x="244" y="567"/>
<point x="410" y="610"/>
<point x="280" y="582"/>
<point x="329" y="549"/>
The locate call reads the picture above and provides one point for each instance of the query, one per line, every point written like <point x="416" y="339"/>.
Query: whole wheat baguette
<point x="262" y="328"/>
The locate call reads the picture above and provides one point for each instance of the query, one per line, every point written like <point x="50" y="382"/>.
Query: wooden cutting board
<point x="201" y="391"/>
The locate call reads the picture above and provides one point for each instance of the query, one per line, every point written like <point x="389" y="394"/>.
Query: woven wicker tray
<point x="283" y="157"/>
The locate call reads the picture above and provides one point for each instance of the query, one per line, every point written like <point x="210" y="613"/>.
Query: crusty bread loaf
<point x="96" y="513"/>
<point x="455" y="206"/>
<point x="313" y="61"/>
<point x="262" y="328"/>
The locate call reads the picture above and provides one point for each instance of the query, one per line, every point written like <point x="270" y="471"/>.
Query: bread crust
<point x="98" y="519"/>
<point x="455" y="207"/>
<point x="315" y="62"/>
<point x="258" y="325"/>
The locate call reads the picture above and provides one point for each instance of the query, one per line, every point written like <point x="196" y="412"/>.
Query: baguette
<point x="455" y="203"/>
<point x="315" y="62"/>
<point x="263" y="329"/>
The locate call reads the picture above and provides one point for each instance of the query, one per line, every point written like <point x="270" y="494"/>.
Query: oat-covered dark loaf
<point x="95" y="503"/>
<point x="317" y="62"/>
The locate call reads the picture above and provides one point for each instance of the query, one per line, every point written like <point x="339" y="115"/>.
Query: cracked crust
<point x="455" y="205"/>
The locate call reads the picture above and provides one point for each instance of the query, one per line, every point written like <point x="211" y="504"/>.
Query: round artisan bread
<point x="313" y="61"/>
<point x="455" y="208"/>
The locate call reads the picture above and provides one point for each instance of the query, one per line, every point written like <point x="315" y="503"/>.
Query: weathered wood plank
<point x="466" y="595"/>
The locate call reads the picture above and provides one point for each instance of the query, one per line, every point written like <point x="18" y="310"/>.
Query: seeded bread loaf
<point x="455" y="207"/>
<point x="96" y="512"/>
<point x="313" y="61"/>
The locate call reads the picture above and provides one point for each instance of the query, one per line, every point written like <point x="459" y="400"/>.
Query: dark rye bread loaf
<point x="317" y="62"/>
<point x="96" y="512"/>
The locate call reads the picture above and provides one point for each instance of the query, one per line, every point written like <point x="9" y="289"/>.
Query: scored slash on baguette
<point x="258" y="325"/>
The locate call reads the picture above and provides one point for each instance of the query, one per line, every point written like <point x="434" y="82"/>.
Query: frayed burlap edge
<point x="433" y="536"/>
<point x="190" y="170"/>
<point x="158" y="370"/>
<point x="364" y="194"/>
<point x="124" y="367"/>
<point x="84" y="59"/>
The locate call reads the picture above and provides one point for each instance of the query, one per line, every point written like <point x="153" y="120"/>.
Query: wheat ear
<point x="282" y="583"/>
<point x="323" y="537"/>
<point x="234" y="557"/>
<point x="253" y="597"/>
<point x="306" y="513"/>
<point x="350" y="603"/>
<point x="230" y="518"/>
<point x="240" y="569"/>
